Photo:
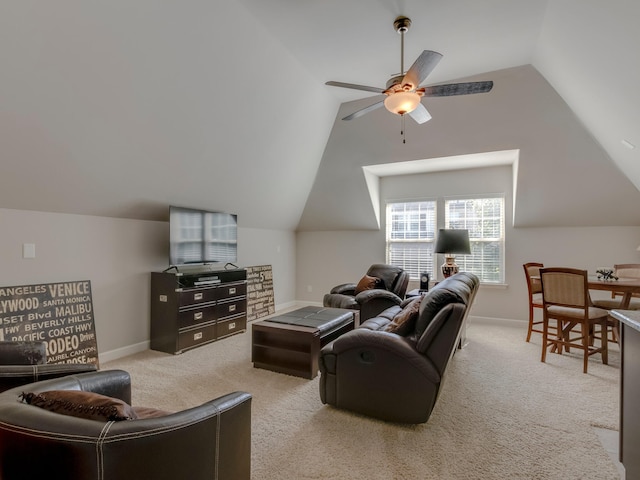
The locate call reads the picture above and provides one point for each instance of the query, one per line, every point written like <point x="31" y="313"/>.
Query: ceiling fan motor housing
<point x="402" y="24"/>
<point x="395" y="85"/>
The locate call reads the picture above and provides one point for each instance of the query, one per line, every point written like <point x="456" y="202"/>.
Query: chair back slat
<point x="566" y="287"/>
<point x="533" y="270"/>
<point x="627" y="270"/>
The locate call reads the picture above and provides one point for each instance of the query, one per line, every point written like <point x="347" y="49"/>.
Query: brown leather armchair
<point x="391" y="286"/>
<point x="26" y="362"/>
<point x="209" y="441"/>
<point x="397" y="377"/>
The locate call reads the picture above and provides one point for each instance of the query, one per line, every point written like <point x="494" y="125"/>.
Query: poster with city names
<point x="59" y="314"/>
<point x="260" y="299"/>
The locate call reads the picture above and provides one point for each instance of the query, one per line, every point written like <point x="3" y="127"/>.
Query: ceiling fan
<point x="403" y="91"/>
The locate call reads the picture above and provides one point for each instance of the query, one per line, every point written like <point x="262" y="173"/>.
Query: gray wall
<point x="117" y="256"/>
<point x="325" y="259"/>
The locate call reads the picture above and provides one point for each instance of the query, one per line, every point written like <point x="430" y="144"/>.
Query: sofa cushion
<point x="89" y="405"/>
<point x="404" y="322"/>
<point x="431" y="304"/>
<point x="368" y="283"/>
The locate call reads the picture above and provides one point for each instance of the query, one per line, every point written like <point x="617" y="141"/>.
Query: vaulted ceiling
<point x="122" y="108"/>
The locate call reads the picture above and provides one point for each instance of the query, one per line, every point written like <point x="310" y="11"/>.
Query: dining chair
<point x="566" y="299"/>
<point x="621" y="270"/>
<point x="532" y="269"/>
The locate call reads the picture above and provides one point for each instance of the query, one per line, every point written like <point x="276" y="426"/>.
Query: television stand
<point x="191" y="309"/>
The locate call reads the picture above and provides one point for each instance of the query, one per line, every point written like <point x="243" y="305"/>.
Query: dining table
<point x="626" y="286"/>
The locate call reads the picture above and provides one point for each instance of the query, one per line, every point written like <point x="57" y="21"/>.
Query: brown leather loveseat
<point x="392" y="367"/>
<point x="209" y="441"/>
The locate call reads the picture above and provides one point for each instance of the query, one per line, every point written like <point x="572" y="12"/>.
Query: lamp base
<point x="449" y="267"/>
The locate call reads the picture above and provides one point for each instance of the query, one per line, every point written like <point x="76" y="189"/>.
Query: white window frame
<point x="481" y="240"/>
<point x="412" y="248"/>
<point x="485" y="239"/>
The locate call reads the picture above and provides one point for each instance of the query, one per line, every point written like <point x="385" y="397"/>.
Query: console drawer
<point x="231" y="290"/>
<point x="195" y="316"/>
<point x="231" y="325"/>
<point x="196" y="336"/>
<point x="195" y="296"/>
<point x="234" y="307"/>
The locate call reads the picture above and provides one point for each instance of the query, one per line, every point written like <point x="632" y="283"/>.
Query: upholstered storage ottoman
<point x="290" y="343"/>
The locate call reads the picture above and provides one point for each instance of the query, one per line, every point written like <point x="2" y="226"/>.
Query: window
<point x="411" y="231"/>
<point x="484" y="218"/>
<point x="412" y="227"/>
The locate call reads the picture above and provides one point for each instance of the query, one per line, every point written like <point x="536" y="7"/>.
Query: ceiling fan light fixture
<point x="401" y="102"/>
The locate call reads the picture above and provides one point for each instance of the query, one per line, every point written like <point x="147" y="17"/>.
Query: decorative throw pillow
<point x="367" y="283"/>
<point x="405" y="320"/>
<point x="92" y="406"/>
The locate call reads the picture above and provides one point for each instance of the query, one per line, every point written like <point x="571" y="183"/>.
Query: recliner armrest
<point x="378" y="293"/>
<point x="373" y="302"/>
<point x="345" y="289"/>
<point x="338" y="300"/>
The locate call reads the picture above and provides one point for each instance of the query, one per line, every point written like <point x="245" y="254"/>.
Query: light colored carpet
<point x="502" y="414"/>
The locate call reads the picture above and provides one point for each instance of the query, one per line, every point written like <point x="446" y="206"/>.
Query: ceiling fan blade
<point x="355" y="87"/>
<point x="457" y="89"/>
<point x="420" y="114"/>
<point x="422" y="67"/>
<point x="364" y="110"/>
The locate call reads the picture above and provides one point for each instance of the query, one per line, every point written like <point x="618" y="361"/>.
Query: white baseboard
<point x="123" y="352"/>
<point x="496" y="321"/>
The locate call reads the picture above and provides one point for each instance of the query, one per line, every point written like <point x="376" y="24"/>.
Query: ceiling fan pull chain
<point x="402" y="130"/>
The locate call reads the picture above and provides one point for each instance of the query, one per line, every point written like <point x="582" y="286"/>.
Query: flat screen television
<point x="202" y="237"/>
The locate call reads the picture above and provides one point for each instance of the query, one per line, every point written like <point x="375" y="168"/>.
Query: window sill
<point x="501" y="286"/>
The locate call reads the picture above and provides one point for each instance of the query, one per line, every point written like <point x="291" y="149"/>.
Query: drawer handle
<point x="197" y="336"/>
<point x="197" y="316"/>
<point x="232" y="325"/>
<point x="198" y="296"/>
<point x="232" y="308"/>
<point x="232" y="291"/>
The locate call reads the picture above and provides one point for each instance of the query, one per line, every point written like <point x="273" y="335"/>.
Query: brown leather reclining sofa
<point x="392" y="367"/>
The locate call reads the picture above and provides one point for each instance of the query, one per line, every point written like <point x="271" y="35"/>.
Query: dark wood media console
<point x="189" y="310"/>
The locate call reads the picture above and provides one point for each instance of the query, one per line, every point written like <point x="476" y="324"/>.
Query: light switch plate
<point x="28" y="250"/>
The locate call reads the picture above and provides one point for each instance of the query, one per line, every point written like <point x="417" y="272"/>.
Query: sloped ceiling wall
<point x="122" y="108"/>
<point x="588" y="52"/>
<point x="567" y="172"/>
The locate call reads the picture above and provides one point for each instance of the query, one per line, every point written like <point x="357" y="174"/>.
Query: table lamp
<point x="450" y="242"/>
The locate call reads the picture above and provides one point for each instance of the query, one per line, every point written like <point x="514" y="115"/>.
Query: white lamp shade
<point x="402" y="102"/>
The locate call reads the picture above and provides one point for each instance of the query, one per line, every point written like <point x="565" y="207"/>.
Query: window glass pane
<point x="411" y="228"/>
<point x="484" y="218"/>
